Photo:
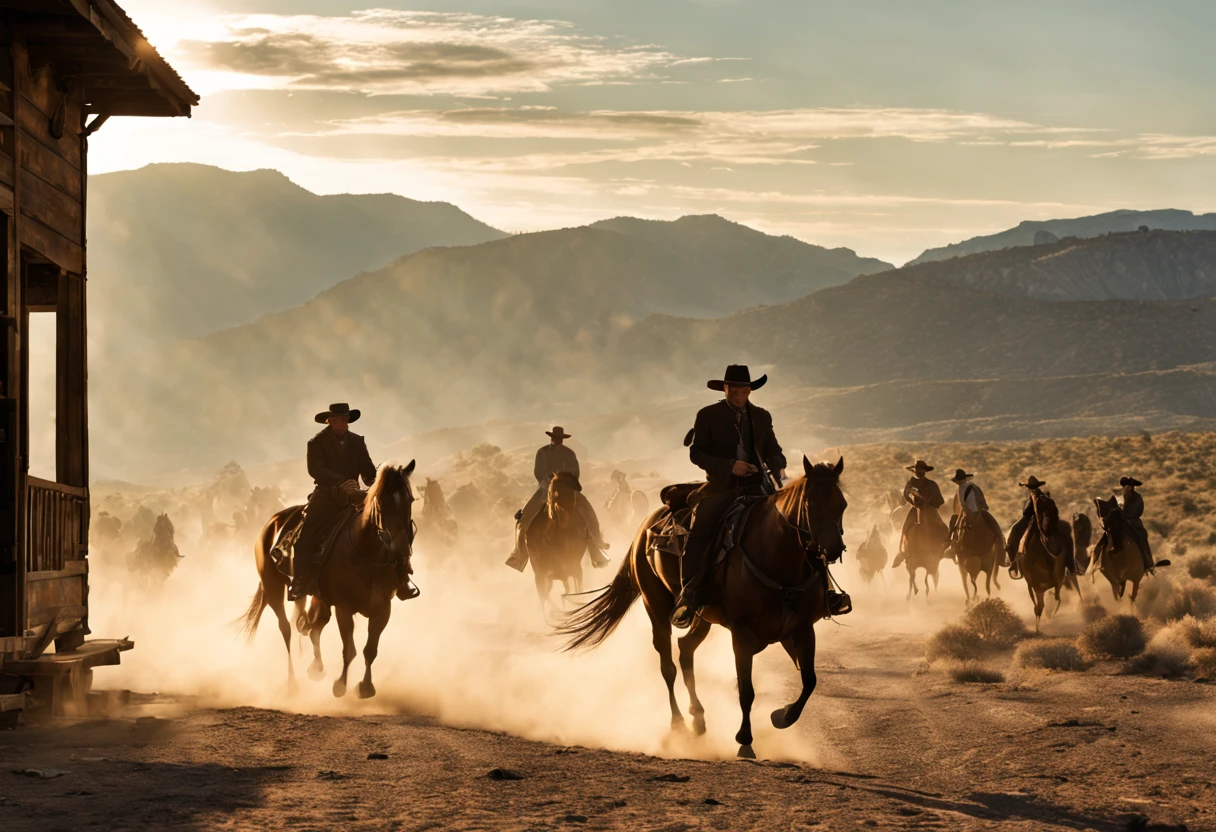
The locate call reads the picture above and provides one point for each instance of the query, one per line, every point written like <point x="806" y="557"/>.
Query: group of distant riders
<point x="732" y="441"/>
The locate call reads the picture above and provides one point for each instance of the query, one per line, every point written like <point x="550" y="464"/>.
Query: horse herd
<point x="771" y="587"/>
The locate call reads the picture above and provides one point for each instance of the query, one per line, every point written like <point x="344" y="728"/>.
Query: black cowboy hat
<point x="558" y="431"/>
<point x="920" y="465"/>
<point x="961" y="476"/>
<point x="1132" y="481"/>
<point x="1032" y="483"/>
<point x="339" y="409"/>
<point x="737" y="375"/>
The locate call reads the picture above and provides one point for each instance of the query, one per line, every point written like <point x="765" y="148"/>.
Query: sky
<point x="886" y="126"/>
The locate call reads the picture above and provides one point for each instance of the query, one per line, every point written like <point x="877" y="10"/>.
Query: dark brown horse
<point x="979" y="552"/>
<point x="556" y="540"/>
<point x="1042" y="554"/>
<point x="925" y="548"/>
<point x="359" y="576"/>
<point x="1118" y="556"/>
<point x="769" y="588"/>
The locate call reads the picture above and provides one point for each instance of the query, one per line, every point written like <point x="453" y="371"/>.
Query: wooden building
<point x="66" y="66"/>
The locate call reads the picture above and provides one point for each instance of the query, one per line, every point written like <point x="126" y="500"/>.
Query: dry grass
<point x="1203" y="662"/>
<point x="1165" y="656"/>
<point x="995" y="622"/>
<point x="1202" y="567"/>
<point x="955" y="642"/>
<point x="1195" y="633"/>
<point x="973" y="673"/>
<point x="1113" y="637"/>
<point x="1050" y="654"/>
<point x="1192" y="598"/>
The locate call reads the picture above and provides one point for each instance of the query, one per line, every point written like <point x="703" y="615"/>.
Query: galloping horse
<point x="154" y="558"/>
<point x="979" y="552"/>
<point x="619" y="507"/>
<point x="1042" y="553"/>
<point x="771" y="587"/>
<point x="872" y="557"/>
<point x="359" y="576"/>
<point x="556" y="540"/>
<point x="925" y="548"/>
<point x="438" y="522"/>
<point x="1119" y="557"/>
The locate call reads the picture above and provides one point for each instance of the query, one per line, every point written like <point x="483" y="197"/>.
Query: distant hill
<point x="1154" y="265"/>
<point x="1094" y="226"/>
<point x="181" y="250"/>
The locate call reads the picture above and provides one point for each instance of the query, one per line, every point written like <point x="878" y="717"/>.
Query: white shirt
<point x="966" y="496"/>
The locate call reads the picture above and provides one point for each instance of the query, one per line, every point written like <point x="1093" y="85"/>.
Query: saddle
<point x="671" y="534"/>
<point x="282" y="554"/>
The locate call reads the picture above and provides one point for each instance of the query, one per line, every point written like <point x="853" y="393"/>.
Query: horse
<point x="155" y="557"/>
<point x="438" y="521"/>
<point x="770" y="587"/>
<point x="872" y="557"/>
<point x="619" y="507"/>
<point x="979" y="551"/>
<point x="556" y="540"/>
<point x="1119" y="559"/>
<point x="1082" y="537"/>
<point x="359" y="576"/>
<point x="1042" y="554"/>
<point x="925" y="547"/>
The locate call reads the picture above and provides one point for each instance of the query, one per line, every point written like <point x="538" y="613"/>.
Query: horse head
<point x="162" y="531"/>
<point x="1046" y="514"/>
<point x="389" y="509"/>
<point x="562" y="496"/>
<point x="815" y="506"/>
<point x="1107" y="511"/>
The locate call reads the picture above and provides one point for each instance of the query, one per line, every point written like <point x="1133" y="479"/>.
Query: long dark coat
<point x="716" y="440"/>
<point x="331" y="463"/>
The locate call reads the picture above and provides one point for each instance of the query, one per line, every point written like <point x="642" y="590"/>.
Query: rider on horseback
<point x="1034" y="485"/>
<point x="922" y="493"/>
<point x="1132" y="510"/>
<point x="554" y="458"/>
<point x="732" y="439"/>
<point x="969" y="503"/>
<point x="337" y="459"/>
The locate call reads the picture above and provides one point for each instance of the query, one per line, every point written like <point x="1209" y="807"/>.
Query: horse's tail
<point x="249" y="621"/>
<point x="593" y="622"/>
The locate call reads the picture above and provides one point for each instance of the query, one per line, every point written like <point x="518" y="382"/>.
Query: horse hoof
<point x="365" y="690"/>
<point x="781" y="718"/>
<point x="746" y="753"/>
<point x="698" y="726"/>
<point x="316" y="672"/>
<point x="339" y="689"/>
<point x="678" y="725"/>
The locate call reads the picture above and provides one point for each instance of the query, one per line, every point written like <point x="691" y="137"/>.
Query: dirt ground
<point x="908" y="749"/>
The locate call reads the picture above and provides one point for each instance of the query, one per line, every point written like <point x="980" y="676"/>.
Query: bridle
<point x="385" y="555"/>
<point x="807" y="537"/>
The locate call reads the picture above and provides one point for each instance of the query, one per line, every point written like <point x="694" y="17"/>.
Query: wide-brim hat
<point x="558" y="433"/>
<point x="736" y="375"/>
<point x="920" y="465"/>
<point x="961" y="476"/>
<point x="338" y="409"/>
<point x="1032" y="483"/>
<point x="1132" y="481"/>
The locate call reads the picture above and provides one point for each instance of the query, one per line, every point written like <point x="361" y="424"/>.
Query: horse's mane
<point x="791" y="499"/>
<point x="566" y="477"/>
<point x="389" y="480"/>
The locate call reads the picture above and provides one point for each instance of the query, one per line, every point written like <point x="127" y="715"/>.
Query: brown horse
<point x="359" y="576"/>
<point x="1119" y="558"/>
<point x="979" y="552"/>
<point x="925" y="548"/>
<point x="771" y="587"/>
<point x="1042" y="554"/>
<point x="872" y="557"/>
<point x="618" y="509"/>
<point x="438" y="524"/>
<point x="556" y="540"/>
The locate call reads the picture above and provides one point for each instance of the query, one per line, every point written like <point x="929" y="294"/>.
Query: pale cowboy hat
<point x="338" y="409"/>
<point x="961" y="476"/>
<point x="920" y="467"/>
<point x="1132" y="481"/>
<point x="1032" y="483"/>
<point x="736" y="375"/>
<point x="558" y="432"/>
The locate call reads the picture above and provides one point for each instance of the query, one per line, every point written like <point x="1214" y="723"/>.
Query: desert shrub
<point x="973" y="673"/>
<point x="1113" y="637"/>
<point x="1202" y="567"/>
<point x="1194" y="599"/>
<point x="1093" y="612"/>
<point x="1050" y="654"/>
<point x="1196" y="633"/>
<point x="1166" y="655"/>
<point x="1203" y="663"/>
<point x="995" y="622"/>
<point x="957" y="643"/>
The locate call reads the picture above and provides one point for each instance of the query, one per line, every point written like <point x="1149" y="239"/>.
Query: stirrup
<point x="686" y="611"/>
<point x="408" y="591"/>
<point x="516" y="562"/>
<point x="839" y="603"/>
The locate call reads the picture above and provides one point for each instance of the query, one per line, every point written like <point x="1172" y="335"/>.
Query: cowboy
<point x="732" y="440"/>
<point x="923" y="493"/>
<point x="1034" y="487"/>
<point x="337" y="459"/>
<point x="555" y="458"/>
<point x="969" y="502"/>
<point x="1132" y="509"/>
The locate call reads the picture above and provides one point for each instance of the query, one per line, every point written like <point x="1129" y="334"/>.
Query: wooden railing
<point x="56" y="529"/>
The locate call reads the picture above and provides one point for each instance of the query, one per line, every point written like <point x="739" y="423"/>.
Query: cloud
<point x="383" y="51"/>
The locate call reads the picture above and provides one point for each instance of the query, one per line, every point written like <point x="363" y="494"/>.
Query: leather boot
<point x="519" y="558"/>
